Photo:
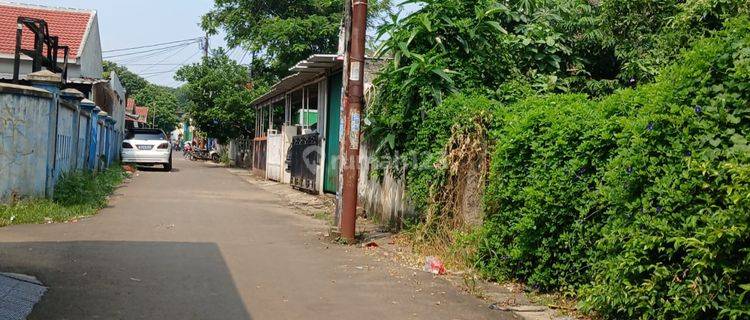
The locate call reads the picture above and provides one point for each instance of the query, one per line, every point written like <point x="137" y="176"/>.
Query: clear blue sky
<point x="131" y="23"/>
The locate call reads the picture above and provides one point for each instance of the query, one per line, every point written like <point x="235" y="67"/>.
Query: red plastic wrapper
<point x="434" y="265"/>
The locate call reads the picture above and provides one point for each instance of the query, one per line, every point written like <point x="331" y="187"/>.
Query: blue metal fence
<point x="46" y="132"/>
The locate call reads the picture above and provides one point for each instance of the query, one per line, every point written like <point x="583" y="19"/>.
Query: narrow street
<point x="201" y="243"/>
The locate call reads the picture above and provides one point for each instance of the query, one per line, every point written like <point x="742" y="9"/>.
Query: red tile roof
<point x="142" y="113"/>
<point x="70" y="25"/>
<point x="130" y="105"/>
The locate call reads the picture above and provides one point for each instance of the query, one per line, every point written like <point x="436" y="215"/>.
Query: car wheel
<point x="215" y="158"/>
<point x="168" y="166"/>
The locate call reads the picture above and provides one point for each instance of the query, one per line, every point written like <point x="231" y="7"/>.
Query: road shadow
<point x="127" y="280"/>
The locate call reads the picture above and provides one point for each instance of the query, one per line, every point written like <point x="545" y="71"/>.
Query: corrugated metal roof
<point x="306" y="70"/>
<point x="318" y="63"/>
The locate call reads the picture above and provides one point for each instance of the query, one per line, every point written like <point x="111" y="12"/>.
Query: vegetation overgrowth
<point x="617" y="145"/>
<point x="77" y="195"/>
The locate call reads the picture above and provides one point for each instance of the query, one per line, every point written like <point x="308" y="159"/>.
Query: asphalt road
<point x="201" y="243"/>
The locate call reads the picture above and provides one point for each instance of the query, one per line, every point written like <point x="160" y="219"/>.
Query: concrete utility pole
<point x="353" y="116"/>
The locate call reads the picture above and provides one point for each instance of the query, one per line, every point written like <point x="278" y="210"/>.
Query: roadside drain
<point x="18" y="295"/>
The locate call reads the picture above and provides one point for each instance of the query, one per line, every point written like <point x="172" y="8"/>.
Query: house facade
<point x="101" y="102"/>
<point x="298" y="124"/>
<point x="135" y="116"/>
<point x="77" y="29"/>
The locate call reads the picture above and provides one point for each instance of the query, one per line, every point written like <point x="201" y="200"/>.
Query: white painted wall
<point x="383" y="199"/>
<point x="90" y="60"/>
<point x="118" y="112"/>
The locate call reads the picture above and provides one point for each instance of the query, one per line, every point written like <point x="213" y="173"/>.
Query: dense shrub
<point x="541" y="211"/>
<point x="646" y="35"/>
<point x="640" y="201"/>
<point x="506" y="50"/>
<point x="677" y="243"/>
<point x="635" y="199"/>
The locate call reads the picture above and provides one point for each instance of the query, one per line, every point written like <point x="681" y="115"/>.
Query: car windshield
<point x="151" y="135"/>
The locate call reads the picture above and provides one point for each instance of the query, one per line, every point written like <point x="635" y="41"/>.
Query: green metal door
<point x="333" y="122"/>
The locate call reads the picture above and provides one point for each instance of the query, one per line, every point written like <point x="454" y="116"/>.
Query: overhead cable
<point x="150" y="50"/>
<point x="152" y="45"/>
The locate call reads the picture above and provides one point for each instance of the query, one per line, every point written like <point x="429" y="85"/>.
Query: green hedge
<point x="639" y="202"/>
<point x="677" y="243"/>
<point x="541" y="200"/>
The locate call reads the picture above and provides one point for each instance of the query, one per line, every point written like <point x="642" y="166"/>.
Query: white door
<point x="274" y="158"/>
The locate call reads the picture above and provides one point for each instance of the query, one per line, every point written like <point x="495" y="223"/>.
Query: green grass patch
<point x="77" y="195"/>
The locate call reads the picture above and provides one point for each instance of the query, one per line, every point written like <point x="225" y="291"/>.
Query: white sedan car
<point x="147" y="147"/>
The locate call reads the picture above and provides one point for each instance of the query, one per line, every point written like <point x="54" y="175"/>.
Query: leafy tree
<point x="219" y="102"/>
<point x="132" y="82"/>
<point x="163" y="106"/>
<point x="482" y="46"/>
<point x="162" y="102"/>
<point x="282" y="32"/>
<point x="646" y="35"/>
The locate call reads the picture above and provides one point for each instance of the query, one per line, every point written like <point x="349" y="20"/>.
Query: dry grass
<point x="450" y="230"/>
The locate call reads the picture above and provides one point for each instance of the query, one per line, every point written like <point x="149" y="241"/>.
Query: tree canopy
<point x="132" y="82"/>
<point x="163" y="103"/>
<point x="219" y="99"/>
<point x="163" y="106"/>
<point x="282" y="32"/>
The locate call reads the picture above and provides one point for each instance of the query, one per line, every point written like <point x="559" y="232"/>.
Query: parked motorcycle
<point x="200" y="154"/>
<point x="187" y="151"/>
<point x="214" y="156"/>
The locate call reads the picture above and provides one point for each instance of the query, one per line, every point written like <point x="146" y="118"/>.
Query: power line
<point x="152" y="45"/>
<point x="153" y="73"/>
<point x="243" y="57"/>
<point x="173" y="69"/>
<point x="231" y="52"/>
<point x="165" y="58"/>
<point x="150" y="50"/>
<point x="143" y="57"/>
